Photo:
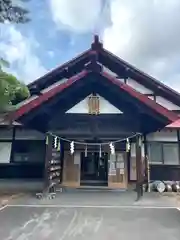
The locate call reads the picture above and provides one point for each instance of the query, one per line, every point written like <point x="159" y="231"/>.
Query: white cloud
<point x="51" y="53"/>
<point x="76" y="15"/>
<point x="147" y="34"/>
<point x="20" y="52"/>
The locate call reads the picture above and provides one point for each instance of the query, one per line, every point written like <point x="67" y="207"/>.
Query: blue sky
<point x="142" y="32"/>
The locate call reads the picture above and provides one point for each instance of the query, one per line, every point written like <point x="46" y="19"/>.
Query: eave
<point x="58" y="89"/>
<point x="142" y="77"/>
<point x="174" y="125"/>
<point x="59" y="72"/>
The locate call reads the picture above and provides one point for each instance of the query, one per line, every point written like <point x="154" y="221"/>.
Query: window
<point x="5" y="152"/>
<point x="163" y="153"/>
<point x="6" y="133"/>
<point x="170" y="153"/>
<point x="155" y="153"/>
<point x="29" y="151"/>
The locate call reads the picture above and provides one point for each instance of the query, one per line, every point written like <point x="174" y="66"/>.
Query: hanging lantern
<point x="111" y="145"/>
<point x="55" y="142"/>
<point x="85" y="153"/>
<point x="72" y="147"/>
<point x="128" y="146"/>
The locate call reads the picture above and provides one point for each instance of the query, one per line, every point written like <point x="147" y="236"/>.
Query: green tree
<point x="13" y="12"/>
<point x="12" y="91"/>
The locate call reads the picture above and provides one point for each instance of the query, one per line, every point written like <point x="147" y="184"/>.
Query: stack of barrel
<point x="161" y="186"/>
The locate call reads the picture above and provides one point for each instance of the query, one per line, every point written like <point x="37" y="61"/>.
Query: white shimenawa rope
<point x="94" y="144"/>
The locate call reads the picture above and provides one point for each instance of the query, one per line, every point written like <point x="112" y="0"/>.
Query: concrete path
<point x="91" y="215"/>
<point x="58" y="223"/>
<point x="99" y="198"/>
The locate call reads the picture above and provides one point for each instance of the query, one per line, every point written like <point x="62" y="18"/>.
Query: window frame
<point x="150" y="144"/>
<point x="162" y="144"/>
<point x="166" y="144"/>
<point x="26" y="153"/>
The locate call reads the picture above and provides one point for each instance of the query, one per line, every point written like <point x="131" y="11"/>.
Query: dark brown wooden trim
<point x="139" y="177"/>
<point x="48" y="155"/>
<point x="62" y="160"/>
<point x="5" y="140"/>
<point x="176" y="111"/>
<point x="13" y="143"/>
<point x="146" y="157"/>
<point x="161" y="142"/>
<point x="178" y="137"/>
<point x="149" y="94"/>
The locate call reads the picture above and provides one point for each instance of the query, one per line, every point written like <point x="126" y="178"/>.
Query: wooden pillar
<point x="48" y="155"/>
<point x="178" y="138"/>
<point x="13" y="143"/>
<point x="139" y="175"/>
<point x="62" y="159"/>
<point x="146" y="175"/>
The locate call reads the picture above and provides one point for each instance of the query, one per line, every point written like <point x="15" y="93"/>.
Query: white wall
<point x="5" y="152"/>
<point x="167" y="104"/>
<point x="163" y="136"/>
<point x="138" y="87"/>
<point x="113" y="74"/>
<point x="105" y="107"/>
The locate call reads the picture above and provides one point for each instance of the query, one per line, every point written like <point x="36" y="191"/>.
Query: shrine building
<point x="113" y="122"/>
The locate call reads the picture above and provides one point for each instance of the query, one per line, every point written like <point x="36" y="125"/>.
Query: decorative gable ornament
<point x="94" y="104"/>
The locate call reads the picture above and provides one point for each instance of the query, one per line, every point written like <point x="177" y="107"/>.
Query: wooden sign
<point x="94" y="104"/>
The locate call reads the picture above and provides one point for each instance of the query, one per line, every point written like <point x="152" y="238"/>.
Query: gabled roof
<point x="48" y="95"/>
<point x="175" y="124"/>
<point x="145" y="77"/>
<point x="58" y="70"/>
<point x="114" y="63"/>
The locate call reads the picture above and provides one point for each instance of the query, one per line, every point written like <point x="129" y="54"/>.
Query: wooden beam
<point x="146" y="161"/>
<point x="13" y="143"/>
<point x="89" y="135"/>
<point x="178" y="137"/>
<point x="48" y="155"/>
<point x="139" y="181"/>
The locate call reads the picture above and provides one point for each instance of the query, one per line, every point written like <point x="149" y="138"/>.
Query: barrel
<point x="159" y="186"/>
<point x="168" y="187"/>
<point x="176" y="187"/>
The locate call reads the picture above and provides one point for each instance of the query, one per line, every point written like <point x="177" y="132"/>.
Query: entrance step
<point x="93" y="189"/>
<point x="94" y="183"/>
